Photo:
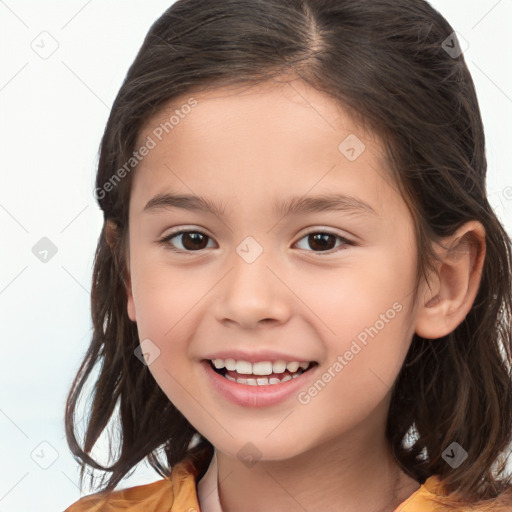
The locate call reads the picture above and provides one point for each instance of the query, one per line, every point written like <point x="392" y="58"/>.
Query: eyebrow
<point x="294" y="205"/>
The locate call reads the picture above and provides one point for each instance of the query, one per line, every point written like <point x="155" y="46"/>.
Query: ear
<point x="453" y="289"/>
<point x="112" y="239"/>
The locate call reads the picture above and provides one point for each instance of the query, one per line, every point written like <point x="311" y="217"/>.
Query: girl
<point x="301" y="296"/>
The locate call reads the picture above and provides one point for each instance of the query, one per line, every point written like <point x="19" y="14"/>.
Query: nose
<point x="252" y="295"/>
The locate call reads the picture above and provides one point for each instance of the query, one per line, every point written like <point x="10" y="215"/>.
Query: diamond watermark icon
<point x="249" y="454"/>
<point x="455" y="45"/>
<point x="44" y="44"/>
<point x="352" y="147"/>
<point x="454" y="455"/>
<point x="44" y="455"/>
<point x="249" y="250"/>
<point x="147" y="352"/>
<point x="44" y="250"/>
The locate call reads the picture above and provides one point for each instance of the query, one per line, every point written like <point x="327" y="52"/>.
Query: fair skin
<point x="246" y="149"/>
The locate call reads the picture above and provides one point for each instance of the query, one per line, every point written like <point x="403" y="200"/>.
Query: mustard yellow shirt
<point x="178" y="493"/>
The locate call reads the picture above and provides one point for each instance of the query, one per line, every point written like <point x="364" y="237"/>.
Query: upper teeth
<point x="259" y="368"/>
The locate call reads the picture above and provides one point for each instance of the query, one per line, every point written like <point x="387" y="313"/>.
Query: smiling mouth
<point x="261" y="380"/>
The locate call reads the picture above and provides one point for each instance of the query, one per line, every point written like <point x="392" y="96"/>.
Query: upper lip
<point x="255" y="357"/>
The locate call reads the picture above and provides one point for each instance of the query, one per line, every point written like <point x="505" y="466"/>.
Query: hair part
<point x="383" y="62"/>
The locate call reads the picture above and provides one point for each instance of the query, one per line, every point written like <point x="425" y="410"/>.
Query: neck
<point x="338" y="475"/>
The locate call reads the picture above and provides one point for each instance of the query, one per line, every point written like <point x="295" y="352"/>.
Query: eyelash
<point x="165" y="241"/>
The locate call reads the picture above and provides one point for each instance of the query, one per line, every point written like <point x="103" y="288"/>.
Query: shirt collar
<point x="208" y="488"/>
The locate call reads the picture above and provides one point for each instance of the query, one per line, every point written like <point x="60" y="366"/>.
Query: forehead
<point x="282" y="137"/>
<point x="280" y="103"/>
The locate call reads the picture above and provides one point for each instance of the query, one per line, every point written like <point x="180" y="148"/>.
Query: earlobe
<point x="454" y="288"/>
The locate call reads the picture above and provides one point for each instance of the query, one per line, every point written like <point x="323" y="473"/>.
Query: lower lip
<point x="256" y="396"/>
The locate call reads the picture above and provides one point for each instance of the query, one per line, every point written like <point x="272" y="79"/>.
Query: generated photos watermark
<point x="361" y="341"/>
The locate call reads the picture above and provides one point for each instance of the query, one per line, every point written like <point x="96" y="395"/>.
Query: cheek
<point x="166" y="304"/>
<point x="347" y="299"/>
<point x="362" y="364"/>
<point x="162" y="295"/>
<point x="169" y="303"/>
<point x="362" y="311"/>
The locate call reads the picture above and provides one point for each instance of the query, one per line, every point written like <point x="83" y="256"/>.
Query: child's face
<point x="255" y="282"/>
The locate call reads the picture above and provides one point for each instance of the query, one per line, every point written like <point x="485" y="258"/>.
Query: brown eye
<point x="323" y="242"/>
<point x="190" y="241"/>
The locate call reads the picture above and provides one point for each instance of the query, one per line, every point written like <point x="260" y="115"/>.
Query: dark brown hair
<point x="385" y="63"/>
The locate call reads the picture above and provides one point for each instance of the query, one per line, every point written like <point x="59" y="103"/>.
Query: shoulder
<point x="430" y="497"/>
<point x="179" y="489"/>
